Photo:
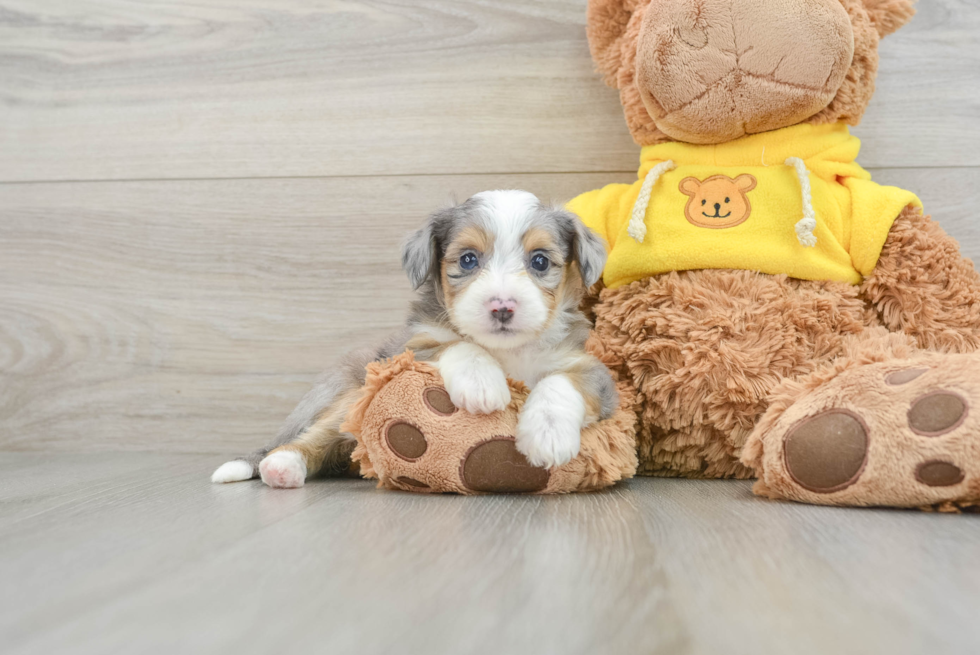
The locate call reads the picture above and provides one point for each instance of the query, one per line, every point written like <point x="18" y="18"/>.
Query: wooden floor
<point x="137" y="553"/>
<point x="200" y="207"/>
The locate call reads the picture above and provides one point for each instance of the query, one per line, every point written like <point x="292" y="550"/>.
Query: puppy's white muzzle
<point x="501" y="311"/>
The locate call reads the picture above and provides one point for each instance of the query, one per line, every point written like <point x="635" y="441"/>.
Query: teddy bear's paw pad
<point x="406" y="441"/>
<point x="497" y="466"/>
<point x="897" y="378"/>
<point x="937" y="473"/>
<point x="936" y="413"/>
<point x="827" y="452"/>
<point x="437" y="399"/>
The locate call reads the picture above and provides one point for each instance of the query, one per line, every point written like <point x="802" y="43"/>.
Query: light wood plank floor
<point x="137" y="553"/>
<point x="200" y="207"/>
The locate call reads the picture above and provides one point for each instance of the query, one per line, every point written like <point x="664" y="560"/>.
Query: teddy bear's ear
<point x="889" y="15"/>
<point x="606" y="26"/>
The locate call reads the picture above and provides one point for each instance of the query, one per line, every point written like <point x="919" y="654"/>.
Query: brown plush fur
<point x="612" y="41"/>
<point x="714" y="70"/>
<point x="855" y="93"/>
<point x="613" y="30"/>
<point x="889" y="15"/>
<point x="923" y="287"/>
<point x="705" y="348"/>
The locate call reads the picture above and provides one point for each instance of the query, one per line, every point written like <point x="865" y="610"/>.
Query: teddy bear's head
<point x="710" y="71"/>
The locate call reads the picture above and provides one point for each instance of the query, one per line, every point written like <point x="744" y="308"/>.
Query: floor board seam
<point x="397" y="175"/>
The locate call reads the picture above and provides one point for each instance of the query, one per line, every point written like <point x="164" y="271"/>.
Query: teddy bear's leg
<point x="924" y="287"/>
<point x="413" y="437"/>
<point x="885" y="424"/>
<point x="703" y="350"/>
<point x="697" y="451"/>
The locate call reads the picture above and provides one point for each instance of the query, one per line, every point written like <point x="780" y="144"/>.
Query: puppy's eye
<point x="468" y="261"/>
<point x="540" y="263"/>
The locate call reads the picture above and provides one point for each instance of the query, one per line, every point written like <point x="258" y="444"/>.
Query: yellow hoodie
<point x="789" y="201"/>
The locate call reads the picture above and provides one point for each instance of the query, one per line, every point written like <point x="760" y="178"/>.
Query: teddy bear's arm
<point x="924" y="287"/>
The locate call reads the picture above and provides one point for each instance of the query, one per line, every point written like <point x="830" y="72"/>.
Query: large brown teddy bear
<point x="768" y="310"/>
<point x="778" y="313"/>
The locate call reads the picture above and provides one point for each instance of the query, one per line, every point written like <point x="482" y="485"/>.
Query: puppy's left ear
<point x="889" y="15"/>
<point x="587" y="248"/>
<point x="420" y="254"/>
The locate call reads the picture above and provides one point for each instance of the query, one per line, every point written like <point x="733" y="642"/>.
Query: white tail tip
<point x="234" y="471"/>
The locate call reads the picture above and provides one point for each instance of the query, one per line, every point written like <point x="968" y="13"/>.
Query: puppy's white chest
<point x="528" y="367"/>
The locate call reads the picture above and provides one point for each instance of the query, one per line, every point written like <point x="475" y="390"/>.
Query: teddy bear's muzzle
<point x="716" y="70"/>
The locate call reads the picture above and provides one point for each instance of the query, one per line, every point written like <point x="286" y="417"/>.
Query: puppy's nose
<point x="717" y="207"/>
<point x="502" y="311"/>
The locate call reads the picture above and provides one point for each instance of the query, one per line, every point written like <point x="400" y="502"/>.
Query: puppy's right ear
<point x="420" y="254"/>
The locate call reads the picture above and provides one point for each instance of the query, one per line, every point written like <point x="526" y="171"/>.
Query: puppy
<point x="500" y="278"/>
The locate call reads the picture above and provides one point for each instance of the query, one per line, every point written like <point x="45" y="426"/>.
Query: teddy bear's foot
<point x="412" y="437"/>
<point x="897" y="433"/>
<point x="425" y="443"/>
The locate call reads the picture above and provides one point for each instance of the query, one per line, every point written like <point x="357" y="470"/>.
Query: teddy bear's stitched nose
<point x="717" y="207"/>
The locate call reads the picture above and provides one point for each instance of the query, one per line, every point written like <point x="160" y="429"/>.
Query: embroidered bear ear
<point x="888" y="16"/>
<point x="745" y="182"/>
<point x="689" y="186"/>
<point x="612" y="26"/>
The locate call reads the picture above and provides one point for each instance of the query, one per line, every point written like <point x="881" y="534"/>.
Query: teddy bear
<point x="766" y="308"/>
<point x="778" y="314"/>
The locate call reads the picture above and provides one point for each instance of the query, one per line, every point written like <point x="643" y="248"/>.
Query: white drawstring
<point x="637" y="227"/>
<point x="806" y="225"/>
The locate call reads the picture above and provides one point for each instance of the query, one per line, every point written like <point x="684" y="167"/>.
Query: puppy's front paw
<point x="473" y="379"/>
<point x="480" y="390"/>
<point x="549" y="429"/>
<point x="283" y="469"/>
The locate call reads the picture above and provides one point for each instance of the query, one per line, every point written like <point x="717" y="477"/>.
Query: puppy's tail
<point x="243" y="468"/>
